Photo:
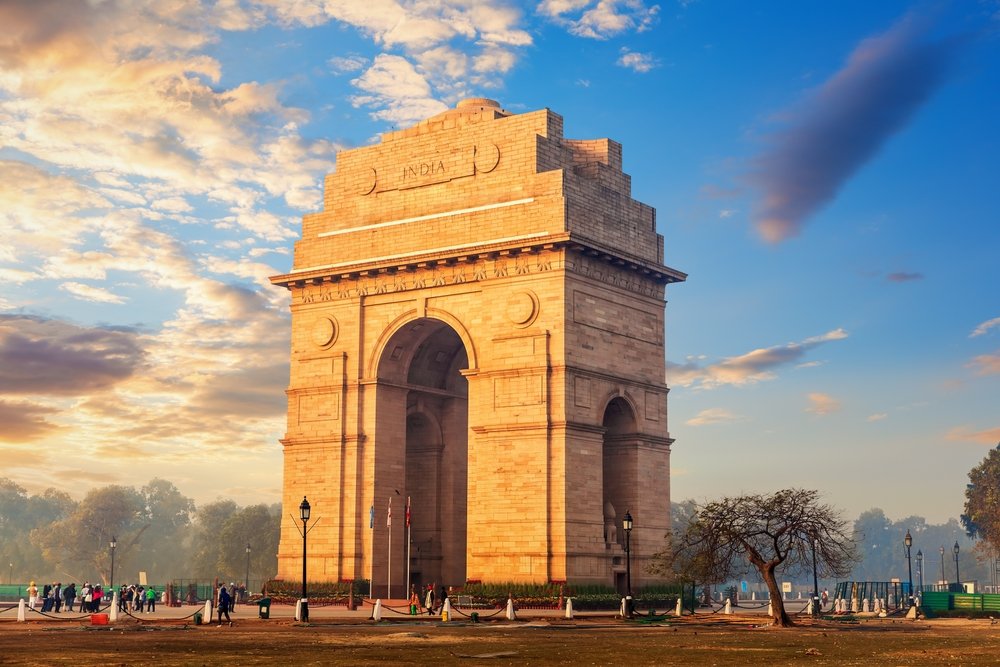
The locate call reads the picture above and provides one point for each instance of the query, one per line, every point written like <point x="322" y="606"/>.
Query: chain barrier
<point x="495" y="613"/>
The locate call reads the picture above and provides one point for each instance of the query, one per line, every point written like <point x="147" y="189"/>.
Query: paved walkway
<point x="394" y="611"/>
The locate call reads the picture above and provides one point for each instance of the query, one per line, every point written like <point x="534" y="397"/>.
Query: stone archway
<point x="477" y="323"/>
<point x="422" y="449"/>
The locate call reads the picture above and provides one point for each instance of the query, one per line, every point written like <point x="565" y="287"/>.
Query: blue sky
<point x="826" y="174"/>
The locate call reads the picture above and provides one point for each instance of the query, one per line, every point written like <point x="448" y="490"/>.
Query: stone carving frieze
<point x="479" y="270"/>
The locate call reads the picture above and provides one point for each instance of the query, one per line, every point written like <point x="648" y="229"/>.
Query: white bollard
<point x="679" y="610"/>
<point x="753" y="596"/>
<point x="854" y="605"/>
<point x="114" y="607"/>
<point x="20" y="610"/>
<point x="770" y="610"/>
<point x="864" y="606"/>
<point x="729" y="607"/>
<point x="298" y="610"/>
<point x="569" y="608"/>
<point x="206" y="618"/>
<point x="377" y="610"/>
<point x="809" y="607"/>
<point x="446" y="610"/>
<point x="621" y="609"/>
<point x="510" y="610"/>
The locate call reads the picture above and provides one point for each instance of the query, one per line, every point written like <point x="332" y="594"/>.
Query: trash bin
<point x="475" y="617"/>
<point x="197" y="618"/>
<point x="264" y="608"/>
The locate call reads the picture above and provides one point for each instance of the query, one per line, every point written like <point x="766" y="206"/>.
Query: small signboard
<point x="142" y="578"/>
<point x="786" y="587"/>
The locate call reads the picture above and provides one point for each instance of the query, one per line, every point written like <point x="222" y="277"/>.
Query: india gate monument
<point x="478" y="327"/>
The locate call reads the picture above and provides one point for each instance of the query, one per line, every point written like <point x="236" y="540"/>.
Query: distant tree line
<point x="157" y="530"/>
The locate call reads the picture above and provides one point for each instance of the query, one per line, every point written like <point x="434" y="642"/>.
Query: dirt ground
<point x="697" y="641"/>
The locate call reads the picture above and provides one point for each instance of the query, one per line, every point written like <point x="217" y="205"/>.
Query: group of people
<point x="429" y="601"/>
<point x="55" y="597"/>
<point x="137" y="598"/>
<point x="226" y="600"/>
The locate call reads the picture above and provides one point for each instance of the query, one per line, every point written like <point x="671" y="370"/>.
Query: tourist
<point x="150" y="599"/>
<point x="95" y="606"/>
<point x="140" y="599"/>
<point x="224" y="601"/>
<point x="414" y="601"/>
<point x="32" y="595"/>
<point x="46" y="597"/>
<point x="69" y="595"/>
<point x="429" y="599"/>
<point x="86" y="597"/>
<point x="57" y="597"/>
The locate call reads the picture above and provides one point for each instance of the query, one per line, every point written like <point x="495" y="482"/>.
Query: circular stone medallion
<point x="522" y="308"/>
<point x="324" y="331"/>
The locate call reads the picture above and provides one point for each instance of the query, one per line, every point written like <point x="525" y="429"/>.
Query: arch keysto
<point x="478" y="329"/>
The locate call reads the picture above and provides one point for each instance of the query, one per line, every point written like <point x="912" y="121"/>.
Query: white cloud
<point x="877" y="417"/>
<point x="983" y="327"/>
<point x="400" y="94"/>
<point x="822" y="404"/>
<point x="754" y="366"/>
<point x="89" y="293"/>
<point x="989" y="436"/>
<point x="712" y="416"/>
<point x="986" y="364"/>
<point x="639" y="62"/>
<point x="600" y="20"/>
<point x="344" y="64"/>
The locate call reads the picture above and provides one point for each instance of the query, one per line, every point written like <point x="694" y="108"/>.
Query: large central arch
<point x="421" y="448"/>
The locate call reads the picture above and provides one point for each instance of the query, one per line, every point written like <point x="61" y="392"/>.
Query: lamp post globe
<point x="246" y="579"/>
<point x="908" y="541"/>
<point x="304" y="511"/>
<point x="815" y="545"/>
<point x="958" y="580"/>
<point x="113" y="544"/>
<point x="627" y="526"/>
<point x="920" y="572"/>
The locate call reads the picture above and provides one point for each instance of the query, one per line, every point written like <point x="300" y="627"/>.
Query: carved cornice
<point x="579" y="256"/>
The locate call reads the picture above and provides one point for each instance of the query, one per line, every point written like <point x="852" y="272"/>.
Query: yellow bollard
<point x="444" y="615"/>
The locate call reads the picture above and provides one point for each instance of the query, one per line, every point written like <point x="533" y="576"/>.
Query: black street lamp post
<point x="113" y="544"/>
<point x="920" y="572"/>
<point x="304" y="510"/>
<point x="815" y="543"/>
<point x="943" y="581"/>
<point x="627" y="525"/>
<point x="958" y="579"/>
<point x="246" y="579"/>
<point x="908" y="541"/>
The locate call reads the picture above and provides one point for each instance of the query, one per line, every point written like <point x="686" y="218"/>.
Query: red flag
<point x="407" y="511"/>
<point x="388" y="516"/>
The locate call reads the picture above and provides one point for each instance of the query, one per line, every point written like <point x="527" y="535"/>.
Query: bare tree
<point x="728" y="537"/>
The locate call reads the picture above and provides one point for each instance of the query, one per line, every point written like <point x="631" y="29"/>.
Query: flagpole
<point x="371" y="562"/>
<point x="388" y="576"/>
<point x="408" y="545"/>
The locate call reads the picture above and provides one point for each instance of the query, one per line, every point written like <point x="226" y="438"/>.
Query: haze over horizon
<point x="828" y="180"/>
